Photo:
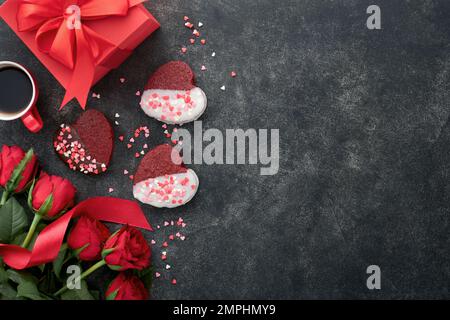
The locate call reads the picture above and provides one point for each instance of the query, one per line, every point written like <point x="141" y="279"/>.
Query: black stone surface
<point x="364" y="138"/>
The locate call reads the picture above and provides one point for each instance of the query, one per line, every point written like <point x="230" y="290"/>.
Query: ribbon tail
<point x="83" y="73"/>
<point x="49" y="241"/>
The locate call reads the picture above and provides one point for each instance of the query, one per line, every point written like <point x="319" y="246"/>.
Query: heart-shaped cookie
<point x="163" y="181"/>
<point x="86" y="145"/>
<point x="171" y="95"/>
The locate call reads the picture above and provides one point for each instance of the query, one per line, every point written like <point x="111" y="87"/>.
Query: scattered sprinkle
<point x="233" y="74"/>
<point x="157" y="274"/>
<point x="117" y="115"/>
<point x="203" y="41"/>
<point x="183" y="49"/>
<point x="203" y="68"/>
<point x="213" y="54"/>
<point x="222" y="88"/>
<point x="174" y="281"/>
<point x="200" y="24"/>
<point x="122" y="80"/>
<point x="110" y="190"/>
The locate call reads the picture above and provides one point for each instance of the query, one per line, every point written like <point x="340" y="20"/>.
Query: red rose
<point x="61" y="190"/>
<point x="10" y="158"/>
<point x="127" y="249"/>
<point x="89" y="235"/>
<point x="126" y="287"/>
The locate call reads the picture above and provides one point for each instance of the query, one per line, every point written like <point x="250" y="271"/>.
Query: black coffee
<point x="16" y="90"/>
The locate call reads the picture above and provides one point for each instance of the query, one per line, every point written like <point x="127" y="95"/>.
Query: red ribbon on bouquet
<point x="61" y="33"/>
<point x="49" y="241"/>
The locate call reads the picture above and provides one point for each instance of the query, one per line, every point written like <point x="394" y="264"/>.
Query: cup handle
<point x="32" y="120"/>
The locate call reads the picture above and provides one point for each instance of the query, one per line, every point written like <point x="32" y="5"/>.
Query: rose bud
<point x="126" y="287"/>
<point x="52" y="195"/>
<point x="10" y="160"/>
<point x="127" y="249"/>
<point x="87" y="238"/>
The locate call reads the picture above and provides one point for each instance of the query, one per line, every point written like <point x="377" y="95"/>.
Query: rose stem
<point x="5" y="196"/>
<point x="31" y="231"/>
<point x="85" y="274"/>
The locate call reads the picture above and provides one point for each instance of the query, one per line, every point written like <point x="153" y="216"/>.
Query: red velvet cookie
<point x="162" y="180"/>
<point x="86" y="145"/>
<point x="171" y="95"/>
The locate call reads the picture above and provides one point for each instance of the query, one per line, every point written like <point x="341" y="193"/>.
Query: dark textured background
<point x="365" y="152"/>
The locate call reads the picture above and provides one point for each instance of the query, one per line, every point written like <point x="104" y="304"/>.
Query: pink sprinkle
<point x="166" y="223"/>
<point x="137" y="155"/>
<point x="174" y="281"/>
<point x="157" y="274"/>
<point x="165" y="244"/>
<point x="186" y="18"/>
<point x="188" y="25"/>
<point x="153" y="242"/>
<point x="203" y="41"/>
<point x="183" y="225"/>
<point x="192" y="41"/>
<point x="163" y="257"/>
<point x="233" y="74"/>
<point x="203" y="68"/>
<point x="164" y="126"/>
<point x="110" y="190"/>
<point x="183" y="49"/>
<point x="196" y="33"/>
<point x="171" y="237"/>
<point x="138" y="93"/>
<point x="121" y="138"/>
<point x="131" y="177"/>
<point x="125" y="172"/>
<point x="182" y="238"/>
<point x="122" y="80"/>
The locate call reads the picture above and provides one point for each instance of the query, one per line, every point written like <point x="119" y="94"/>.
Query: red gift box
<point x="79" y="41"/>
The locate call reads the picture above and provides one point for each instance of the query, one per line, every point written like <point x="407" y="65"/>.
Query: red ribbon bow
<point x="61" y="33"/>
<point x="49" y="241"/>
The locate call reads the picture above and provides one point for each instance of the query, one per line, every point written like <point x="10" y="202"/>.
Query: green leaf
<point x="59" y="261"/>
<point x="16" y="175"/>
<point x="95" y="294"/>
<point x="13" y="220"/>
<point x="7" y="292"/>
<point x="26" y="285"/>
<point x="146" y="277"/>
<point x="78" y="294"/>
<point x="3" y="274"/>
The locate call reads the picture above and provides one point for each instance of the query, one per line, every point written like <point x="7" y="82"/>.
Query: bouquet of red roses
<point x="52" y="257"/>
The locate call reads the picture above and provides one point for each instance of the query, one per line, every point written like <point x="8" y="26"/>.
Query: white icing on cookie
<point x="168" y="191"/>
<point x="174" y="106"/>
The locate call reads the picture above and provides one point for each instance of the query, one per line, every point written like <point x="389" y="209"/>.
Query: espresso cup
<point x="18" y="95"/>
